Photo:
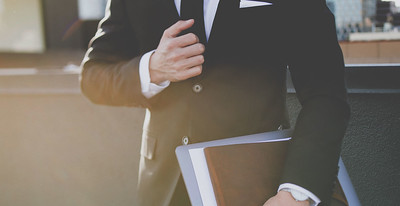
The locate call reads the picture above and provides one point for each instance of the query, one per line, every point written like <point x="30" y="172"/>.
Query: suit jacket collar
<point x="224" y="7"/>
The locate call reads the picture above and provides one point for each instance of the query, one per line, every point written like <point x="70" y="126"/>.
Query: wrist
<point x="296" y="195"/>
<point x="155" y="76"/>
<point x="313" y="199"/>
<point x="149" y="89"/>
<point x="285" y="198"/>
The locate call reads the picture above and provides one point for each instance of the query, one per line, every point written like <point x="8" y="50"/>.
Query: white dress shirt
<point x="150" y="89"/>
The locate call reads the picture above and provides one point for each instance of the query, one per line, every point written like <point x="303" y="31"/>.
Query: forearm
<point x="112" y="83"/>
<point x="314" y="150"/>
<point x="317" y="69"/>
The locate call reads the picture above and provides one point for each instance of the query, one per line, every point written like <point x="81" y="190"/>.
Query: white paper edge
<point x="203" y="176"/>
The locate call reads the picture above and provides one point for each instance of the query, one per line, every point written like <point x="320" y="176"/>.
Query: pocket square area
<point x="248" y="3"/>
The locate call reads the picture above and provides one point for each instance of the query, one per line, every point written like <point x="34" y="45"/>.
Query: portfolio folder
<point x="246" y="174"/>
<point x="201" y="162"/>
<point x="198" y="172"/>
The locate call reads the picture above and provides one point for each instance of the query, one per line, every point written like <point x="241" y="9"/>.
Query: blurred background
<point x="56" y="148"/>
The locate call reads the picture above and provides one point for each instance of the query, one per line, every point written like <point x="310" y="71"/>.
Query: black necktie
<point x="193" y="9"/>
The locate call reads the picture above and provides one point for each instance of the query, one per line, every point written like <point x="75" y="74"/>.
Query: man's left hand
<point x="284" y="198"/>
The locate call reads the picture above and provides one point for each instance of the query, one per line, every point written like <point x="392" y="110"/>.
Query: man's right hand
<point x="177" y="58"/>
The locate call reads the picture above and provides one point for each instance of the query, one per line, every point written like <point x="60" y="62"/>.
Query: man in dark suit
<point x="223" y="75"/>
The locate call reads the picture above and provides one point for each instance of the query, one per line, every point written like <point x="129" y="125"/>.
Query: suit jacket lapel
<point x="170" y="7"/>
<point x="225" y="10"/>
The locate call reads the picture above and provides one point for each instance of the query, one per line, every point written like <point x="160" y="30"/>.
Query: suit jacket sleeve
<point x="317" y="69"/>
<point x="110" y="69"/>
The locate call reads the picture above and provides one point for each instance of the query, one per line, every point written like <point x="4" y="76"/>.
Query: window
<point x="21" y="27"/>
<point x="368" y="30"/>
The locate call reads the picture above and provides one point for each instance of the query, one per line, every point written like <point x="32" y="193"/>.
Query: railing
<point x="368" y="78"/>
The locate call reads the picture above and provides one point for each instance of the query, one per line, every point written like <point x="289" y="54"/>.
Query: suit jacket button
<point x="185" y="140"/>
<point x="197" y="88"/>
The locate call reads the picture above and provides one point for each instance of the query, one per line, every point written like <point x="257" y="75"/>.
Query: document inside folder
<point x="246" y="174"/>
<point x="194" y="166"/>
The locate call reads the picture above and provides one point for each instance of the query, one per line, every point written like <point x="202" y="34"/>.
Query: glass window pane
<point x="368" y="30"/>
<point x="21" y="26"/>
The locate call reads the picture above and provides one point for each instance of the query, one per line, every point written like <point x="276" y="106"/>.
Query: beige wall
<point x="371" y="52"/>
<point x="57" y="148"/>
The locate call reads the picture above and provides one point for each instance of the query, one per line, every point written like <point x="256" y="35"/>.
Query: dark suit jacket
<point x="243" y="81"/>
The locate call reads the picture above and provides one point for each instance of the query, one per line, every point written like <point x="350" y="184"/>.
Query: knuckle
<point x="193" y="37"/>
<point x="169" y="45"/>
<point x="201" y="59"/>
<point x="166" y="32"/>
<point x="195" y="71"/>
<point x="196" y="38"/>
<point x="175" y="69"/>
<point x="202" y="48"/>
<point x="178" y="66"/>
<point x="175" y="56"/>
<point x="180" y="77"/>
<point x="199" y="70"/>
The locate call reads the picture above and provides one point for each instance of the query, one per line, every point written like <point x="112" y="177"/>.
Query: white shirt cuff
<point x="149" y="89"/>
<point x="314" y="199"/>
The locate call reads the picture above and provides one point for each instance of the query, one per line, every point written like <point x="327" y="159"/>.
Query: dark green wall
<point x="371" y="147"/>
